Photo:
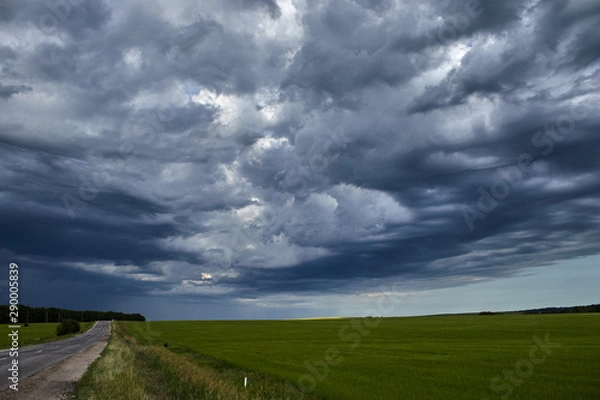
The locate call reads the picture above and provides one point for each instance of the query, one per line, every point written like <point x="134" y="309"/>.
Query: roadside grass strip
<point x="131" y="369"/>
<point x="113" y="375"/>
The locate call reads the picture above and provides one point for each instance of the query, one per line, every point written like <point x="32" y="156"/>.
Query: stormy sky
<point x="294" y="158"/>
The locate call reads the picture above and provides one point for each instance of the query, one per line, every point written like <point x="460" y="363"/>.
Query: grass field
<point x="441" y="357"/>
<point x="128" y="370"/>
<point x="36" y="334"/>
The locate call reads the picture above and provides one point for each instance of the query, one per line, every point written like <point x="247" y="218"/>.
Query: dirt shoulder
<point x="57" y="381"/>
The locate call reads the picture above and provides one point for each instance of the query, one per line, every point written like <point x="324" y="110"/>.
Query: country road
<point x="33" y="359"/>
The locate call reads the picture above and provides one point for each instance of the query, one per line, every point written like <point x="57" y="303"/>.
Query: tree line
<point x="591" y="308"/>
<point x="42" y="314"/>
<point x="564" y="310"/>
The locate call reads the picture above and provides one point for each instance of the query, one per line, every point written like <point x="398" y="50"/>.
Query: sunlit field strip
<point x="36" y="333"/>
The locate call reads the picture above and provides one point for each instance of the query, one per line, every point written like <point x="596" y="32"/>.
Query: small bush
<point x="67" y="326"/>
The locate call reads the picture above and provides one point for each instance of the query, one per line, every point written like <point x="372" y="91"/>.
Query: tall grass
<point x="130" y="368"/>
<point x="114" y="375"/>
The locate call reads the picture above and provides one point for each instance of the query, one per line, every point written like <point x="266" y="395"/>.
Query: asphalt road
<point x="33" y="359"/>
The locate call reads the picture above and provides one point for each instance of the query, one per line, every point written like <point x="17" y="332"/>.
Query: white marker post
<point x="245" y="381"/>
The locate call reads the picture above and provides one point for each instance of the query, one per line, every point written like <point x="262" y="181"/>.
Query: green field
<point x="439" y="357"/>
<point x="36" y="334"/>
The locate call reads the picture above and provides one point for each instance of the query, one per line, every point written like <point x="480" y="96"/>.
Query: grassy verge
<point x="37" y="333"/>
<point x="112" y="375"/>
<point x="133" y="369"/>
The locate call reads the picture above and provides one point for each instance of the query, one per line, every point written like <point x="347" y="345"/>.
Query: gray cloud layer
<point x="245" y="149"/>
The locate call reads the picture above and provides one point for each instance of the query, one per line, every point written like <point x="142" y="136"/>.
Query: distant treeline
<point x="564" y="310"/>
<point x="551" y="310"/>
<point x="52" y="314"/>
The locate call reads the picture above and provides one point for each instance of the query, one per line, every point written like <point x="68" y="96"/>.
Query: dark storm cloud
<point x="247" y="149"/>
<point x="10" y="90"/>
<point x="270" y="6"/>
<point x="74" y="17"/>
<point x="502" y="70"/>
<point x="346" y="50"/>
<point x="8" y="10"/>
